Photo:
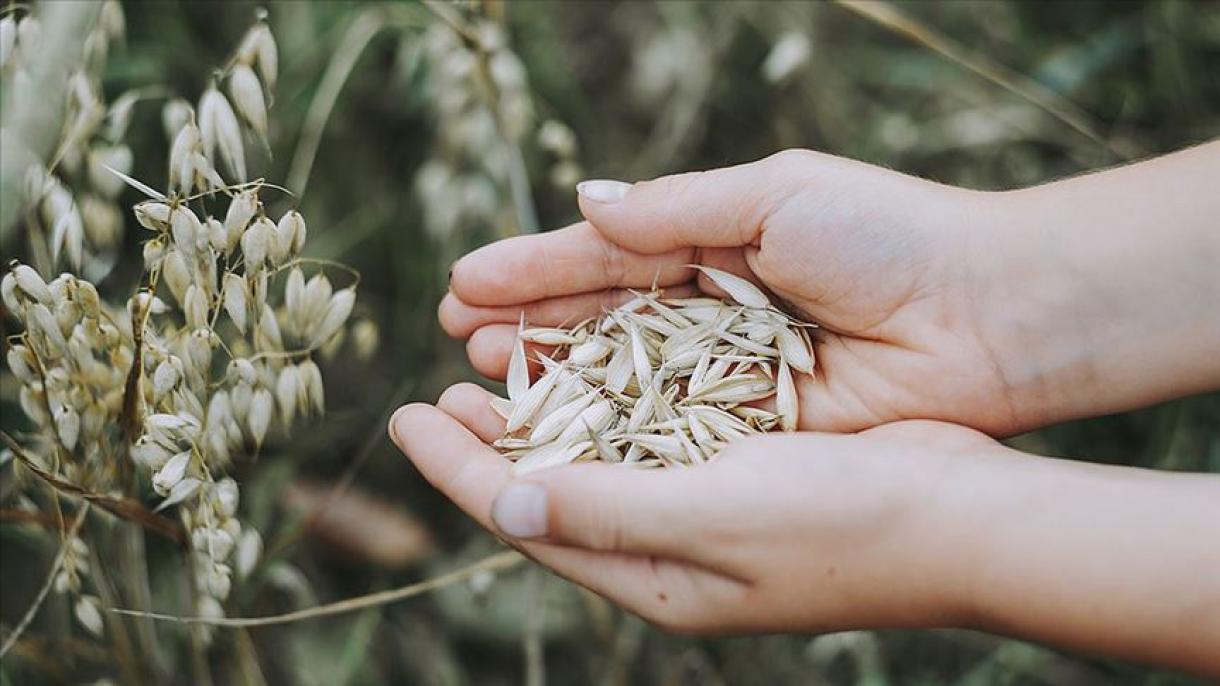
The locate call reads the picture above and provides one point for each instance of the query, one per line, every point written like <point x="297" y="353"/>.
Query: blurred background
<point x="412" y="133"/>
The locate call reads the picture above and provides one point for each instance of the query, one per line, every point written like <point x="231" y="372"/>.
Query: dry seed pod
<point x="589" y="352"/>
<point x="165" y="378"/>
<point x="218" y="128"/>
<point x="254" y="244"/>
<point x="739" y="289"/>
<point x="531" y="401"/>
<point x="286" y="388"/>
<point x="258" y="49"/>
<point x="176" y="274"/>
<point x="181" y="164"/>
<point x="169" y="475"/>
<point x="337" y="312"/>
<point x="269" y="336"/>
<point x="553" y="424"/>
<point x="195" y="307"/>
<point x="153" y="215"/>
<point x="311" y="382"/>
<point x="290" y="233"/>
<point x="518" y="379"/>
<point x="175" y="115"/>
<point x="241" y="210"/>
<point x="89" y="616"/>
<point x="236" y="300"/>
<point x="259" y="419"/>
<point x="180" y="492"/>
<point x="32" y="284"/>
<point x="22" y="362"/>
<point x="247" y="95"/>
<point x="67" y="424"/>
<point x="8" y="290"/>
<point x="785" y="397"/>
<point x="186" y="229"/>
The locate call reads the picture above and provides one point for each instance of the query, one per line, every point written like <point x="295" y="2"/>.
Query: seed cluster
<point x="73" y="213"/>
<point x="479" y="93"/>
<point x="655" y="382"/>
<point x="202" y="363"/>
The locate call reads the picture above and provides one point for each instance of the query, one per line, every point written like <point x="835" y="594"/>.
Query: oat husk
<point x="655" y="382"/>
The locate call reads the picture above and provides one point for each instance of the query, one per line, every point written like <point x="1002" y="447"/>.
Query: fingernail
<point x="395" y="431"/>
<point x="520" y="510"/>
<point x="603" y="190"/>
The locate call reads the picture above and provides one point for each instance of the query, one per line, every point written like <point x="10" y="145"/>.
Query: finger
<point x="615" y="509"/>
<point x="732" y="260"/>
<point x="450" y="457"/>
<point x="460" y="319"/>
<point x="471" y="405"/>
<point x="470" y="473"/>
<point x="718" y="208"/>
<point x="576" y="259"/>
<point x="596" y="506"/>
<point x="489" y="348"/>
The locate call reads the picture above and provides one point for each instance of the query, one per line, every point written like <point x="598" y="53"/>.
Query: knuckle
<point x="447" y="315"/>
<point x="791" y="158"/>
<point x="452" y="395"/>
<point x="674" y="184"/>
<point x="606" y="528"/>
<point x="612" y="264"/>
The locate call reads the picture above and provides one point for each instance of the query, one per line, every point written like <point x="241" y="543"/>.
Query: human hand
<point x="1001" y="311"/>
<point x="877" y="258"/>
<point x="782" y="532"/>
<point x="911" y="524"/>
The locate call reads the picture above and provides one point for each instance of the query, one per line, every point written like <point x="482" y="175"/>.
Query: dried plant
<point x="206" y="361"/>
<point x="72" y="213"/>
<point x="484" y="109"/>
<point x="655" y="382"/>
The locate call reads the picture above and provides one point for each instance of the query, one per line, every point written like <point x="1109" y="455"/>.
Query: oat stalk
<point x="492" y="563"/>
<point x="47" y="584"/>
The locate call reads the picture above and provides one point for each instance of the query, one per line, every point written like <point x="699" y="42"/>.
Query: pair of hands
<point x="931" y="308"/>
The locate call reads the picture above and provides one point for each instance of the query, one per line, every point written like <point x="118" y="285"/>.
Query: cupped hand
<point x="791" y="532"/>
<point x="879" y="259"/>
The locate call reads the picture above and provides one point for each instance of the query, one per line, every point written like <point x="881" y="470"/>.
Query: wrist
<point x="1086" y="306"/>
<point x="923" y="565"/>
<point x="1039" y="298"/>
<point x="959" y="512"/>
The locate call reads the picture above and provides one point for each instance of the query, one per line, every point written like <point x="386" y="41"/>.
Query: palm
<point x="897" y="340"/>
<point x="883" y="278"/>
<point x="894" y="344"/>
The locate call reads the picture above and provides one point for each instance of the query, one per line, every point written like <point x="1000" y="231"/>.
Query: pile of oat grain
<point x="655" y="382"/>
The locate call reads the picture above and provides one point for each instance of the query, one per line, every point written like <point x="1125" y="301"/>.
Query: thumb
<point x="721" y="208"/>
<point x="599" y="507"/>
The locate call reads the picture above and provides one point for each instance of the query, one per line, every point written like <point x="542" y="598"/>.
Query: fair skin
<point x="996" y="311"/>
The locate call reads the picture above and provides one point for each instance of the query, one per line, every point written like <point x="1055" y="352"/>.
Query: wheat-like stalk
<point x="216" y="349"/>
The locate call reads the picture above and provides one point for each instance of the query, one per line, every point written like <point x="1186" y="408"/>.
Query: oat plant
<point x="141" y="404"/>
